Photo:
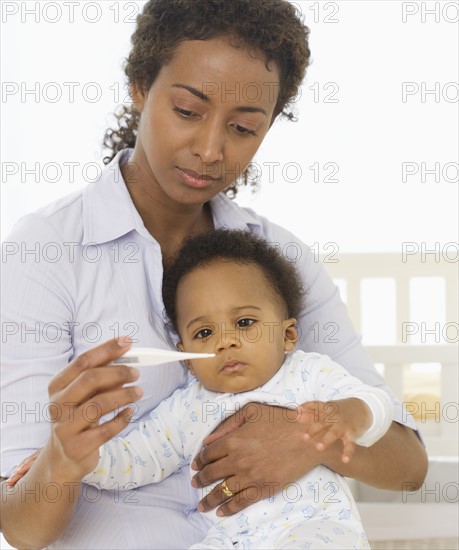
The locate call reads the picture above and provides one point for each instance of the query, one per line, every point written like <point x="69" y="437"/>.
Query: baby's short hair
<point x="238" y="246"/>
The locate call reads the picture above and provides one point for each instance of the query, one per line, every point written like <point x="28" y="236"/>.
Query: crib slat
<point x="403" y="305"/>
<point x="449" y="404"/>
<point x="393" y="375"/>
<point x="452" y="297"/>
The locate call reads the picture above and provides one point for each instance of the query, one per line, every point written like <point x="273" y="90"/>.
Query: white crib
<point x="426" y="517"/>
<point x="434" y="403"/>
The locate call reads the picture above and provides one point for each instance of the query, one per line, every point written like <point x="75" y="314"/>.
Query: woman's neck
<point x="168" y="222"/>
<point x="171" y="229"/>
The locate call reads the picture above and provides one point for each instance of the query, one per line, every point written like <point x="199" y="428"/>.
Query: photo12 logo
<point x="434" y="172"/>
<point x="51" y="13"/>
<point x="436" y="92"/>
<point x="430" y="12"/>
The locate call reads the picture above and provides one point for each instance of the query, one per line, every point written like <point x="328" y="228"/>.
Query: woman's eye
<point x="244" y="323"/>
<point x="242" y="130"/>
<point x="203" y="333"/>
<point x="184" y="112"/>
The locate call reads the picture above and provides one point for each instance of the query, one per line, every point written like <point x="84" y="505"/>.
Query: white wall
<point x="362" y="54"/>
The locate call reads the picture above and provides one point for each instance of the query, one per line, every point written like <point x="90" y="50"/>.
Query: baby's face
<point x="230" y="309"/>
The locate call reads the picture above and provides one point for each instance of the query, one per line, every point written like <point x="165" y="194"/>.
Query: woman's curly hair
<point x="234" y="246"/>
<point x="270" y="26"/>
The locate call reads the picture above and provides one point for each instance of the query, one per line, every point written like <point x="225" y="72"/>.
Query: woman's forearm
<point x="37" y="510"/>
<point x="396" y="459"/>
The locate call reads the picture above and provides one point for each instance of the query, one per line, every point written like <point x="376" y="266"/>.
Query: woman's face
<point x="203" y="120"/>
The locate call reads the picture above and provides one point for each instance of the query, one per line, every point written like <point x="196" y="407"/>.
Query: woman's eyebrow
<point x="193" y="91"/>
<point x="243" y="109"/>
<point x="206" y="99"/>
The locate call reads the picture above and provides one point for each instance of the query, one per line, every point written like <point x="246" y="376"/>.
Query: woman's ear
<point x="138" y="96"/>
<point x="290" y="334"/>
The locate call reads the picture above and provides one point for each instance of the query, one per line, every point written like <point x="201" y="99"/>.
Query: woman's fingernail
<point x="194" y="466"/>
<point x="123" y="341"/>
<point x="193" y="483"/>
<point x="220" y="513"/>
<point x="200" y="507"/>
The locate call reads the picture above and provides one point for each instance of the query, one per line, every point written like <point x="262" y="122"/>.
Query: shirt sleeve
<point x="148" y="454"/>
<point x="324" y="326"/>
<point x="37" y="309"/>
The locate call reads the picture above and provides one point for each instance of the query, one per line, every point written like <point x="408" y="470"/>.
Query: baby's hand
<point x="346" y="419"/>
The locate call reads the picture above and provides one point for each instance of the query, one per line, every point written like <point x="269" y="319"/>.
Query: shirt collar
<point x="228" y="214"/>
<point x="109" y="213"/>
<point x="108" y="210"/>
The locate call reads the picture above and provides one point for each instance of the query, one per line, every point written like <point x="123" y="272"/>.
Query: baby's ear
<point x="290" y="334"/>
<point x="188" y="365"/>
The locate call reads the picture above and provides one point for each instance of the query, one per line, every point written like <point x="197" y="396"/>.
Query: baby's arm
<point x="146" y="455"/>
<point x="345" y="409"/>
<point x="349" y="419"/>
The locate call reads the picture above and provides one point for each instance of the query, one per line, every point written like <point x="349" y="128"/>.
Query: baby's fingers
<point x="11" y="481"/>
<point x="22" y="469"/>
<point x="17" y="474"/>
<point x="348" y="450"/>
<point x="326" y="438"/>
<point x="313" y="430"/>
<point x="322" y="438"/>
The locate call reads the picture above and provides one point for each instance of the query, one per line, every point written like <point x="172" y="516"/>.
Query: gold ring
<point x="227" y="491"/>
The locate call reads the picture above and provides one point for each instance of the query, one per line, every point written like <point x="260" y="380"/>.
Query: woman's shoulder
<point x="227" y="213"/>
<point x="61" y="220"/>
<point x="68" y="216"/>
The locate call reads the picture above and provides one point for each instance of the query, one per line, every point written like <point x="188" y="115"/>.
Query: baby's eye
<point x="203" y="333"/>
<point x="244" y="323"/>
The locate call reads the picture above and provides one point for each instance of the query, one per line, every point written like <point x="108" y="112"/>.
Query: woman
<point x="192" y="137"/>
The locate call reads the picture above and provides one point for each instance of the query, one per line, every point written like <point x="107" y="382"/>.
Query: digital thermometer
<point x="148" y="357"/>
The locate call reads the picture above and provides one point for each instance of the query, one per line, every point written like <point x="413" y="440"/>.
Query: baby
<point x="234" y="295"/>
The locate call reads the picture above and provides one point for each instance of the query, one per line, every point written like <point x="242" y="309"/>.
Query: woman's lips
<point x="193" y="179"/>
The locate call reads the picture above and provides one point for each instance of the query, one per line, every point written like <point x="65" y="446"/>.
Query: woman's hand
<point x="87" y="388"/>
<point x="79" y="395"/>
<point x="258" y="452"/>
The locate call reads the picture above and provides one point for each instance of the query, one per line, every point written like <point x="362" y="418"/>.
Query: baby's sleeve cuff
<point x="381" y="409"/>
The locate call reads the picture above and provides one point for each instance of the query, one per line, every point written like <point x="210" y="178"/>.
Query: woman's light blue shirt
<point x="85" y="269"/>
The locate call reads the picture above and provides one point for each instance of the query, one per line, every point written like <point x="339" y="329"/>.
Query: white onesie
<point x="317" y="511"/>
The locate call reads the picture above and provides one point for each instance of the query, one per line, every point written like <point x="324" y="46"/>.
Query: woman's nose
<point x="208" y="142"/>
